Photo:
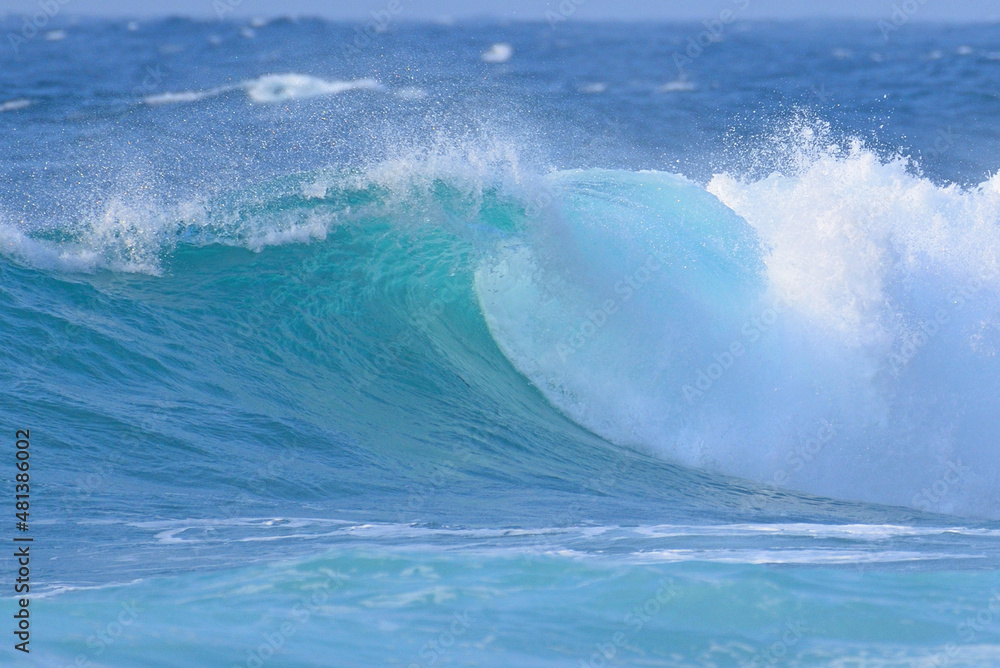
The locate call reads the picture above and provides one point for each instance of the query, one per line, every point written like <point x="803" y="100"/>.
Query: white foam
<point x="843" y="221"/>
<point x="45" y="255"/>
<point x="55" y="35"/>
<point x="55" y="589"/>
<point x="795" y="556"/>
<point x="856" y="532"/>
<point x="816" y="544"/>
<point x="183" y="96"/>
<point x="14" y="105"/>
<point x="283" y="87"/>
<point x="125" y="233"/>
<point x="316" y="189"/>
<point x="314" y="227"/>
<point x="900" y="276"/>
<point x="595" y="88"/>
<point x="500" y="52"/>
<point x="132" y="233"/>
<point x="436" y="595"/>
<point x="411" y="93"/>
<point x="677" y="86"/>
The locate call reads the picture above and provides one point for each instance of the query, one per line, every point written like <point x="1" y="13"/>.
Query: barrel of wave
<point x="621" y="292"/>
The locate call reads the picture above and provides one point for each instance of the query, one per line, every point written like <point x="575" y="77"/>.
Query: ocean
<point x="478" y="343"/>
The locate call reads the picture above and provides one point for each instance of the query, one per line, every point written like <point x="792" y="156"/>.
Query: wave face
<point x="839" y="338"/>
<point x="549" y="344"/>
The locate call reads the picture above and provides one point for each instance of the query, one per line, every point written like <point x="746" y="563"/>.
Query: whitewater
<point x="476" y="348"/>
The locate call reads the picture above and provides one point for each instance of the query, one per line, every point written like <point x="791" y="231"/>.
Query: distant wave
<point x="13" y="105"/>
<point x="594" y="88"/>
<point x="270" y="88"/>
<point x="677" y="86"/>
<point x="498" y="53"/>
<point x="185" y="96"/>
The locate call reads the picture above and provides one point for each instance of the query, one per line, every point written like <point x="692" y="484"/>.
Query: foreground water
<point x="504" y="344"/>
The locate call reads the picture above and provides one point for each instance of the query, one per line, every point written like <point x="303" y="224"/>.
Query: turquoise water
<point x="328" y="364"/>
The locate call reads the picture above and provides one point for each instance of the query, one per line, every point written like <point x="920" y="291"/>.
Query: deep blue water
<point x="503" y="345"/>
